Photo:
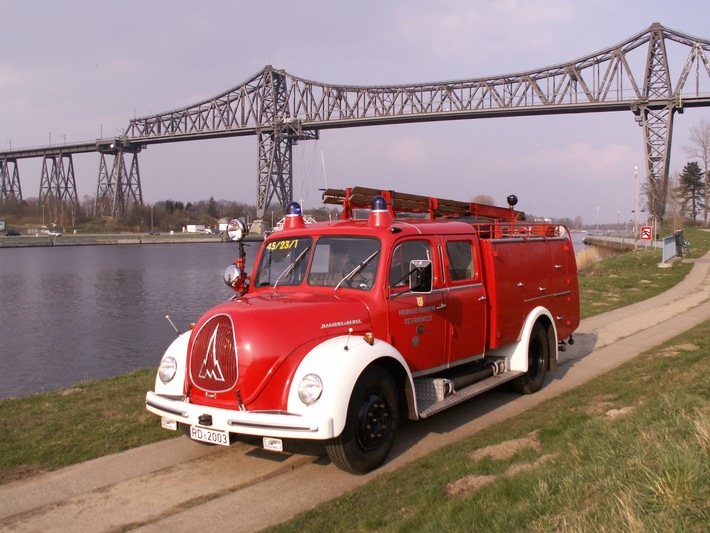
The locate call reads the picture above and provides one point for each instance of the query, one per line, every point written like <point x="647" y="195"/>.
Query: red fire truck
<point x="346" y="326"/>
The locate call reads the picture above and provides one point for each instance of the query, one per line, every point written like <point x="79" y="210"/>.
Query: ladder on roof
<point x="397" y="202"/>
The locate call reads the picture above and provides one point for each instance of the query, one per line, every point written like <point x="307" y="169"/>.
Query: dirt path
<point x="178" y="485"/>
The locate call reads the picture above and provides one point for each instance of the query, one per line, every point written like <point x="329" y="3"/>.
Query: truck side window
<point x="460" y="260"/>
<point x="401" y="257"/>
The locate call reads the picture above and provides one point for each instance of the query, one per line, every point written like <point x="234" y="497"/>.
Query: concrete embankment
<point x="109" y="239"/>
<point x="620" y="243"/>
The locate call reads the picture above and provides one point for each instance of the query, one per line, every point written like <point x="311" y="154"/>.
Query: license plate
<point x="211" y="436"/>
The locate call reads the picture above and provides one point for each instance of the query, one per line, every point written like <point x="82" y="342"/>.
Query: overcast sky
<point x="76" y="70"/>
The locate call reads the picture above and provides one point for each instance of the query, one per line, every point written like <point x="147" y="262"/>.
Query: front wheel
<point x="538" y="360"/>
<point x="371" y="424"/>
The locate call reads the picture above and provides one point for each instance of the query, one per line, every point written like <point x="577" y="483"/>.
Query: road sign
<point x="646" y="233"/>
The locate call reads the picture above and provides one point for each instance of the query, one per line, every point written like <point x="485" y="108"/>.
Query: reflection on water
<point x="74" y="313"/>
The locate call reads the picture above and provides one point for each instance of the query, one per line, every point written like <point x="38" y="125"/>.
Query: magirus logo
<point x="213" y="359"/>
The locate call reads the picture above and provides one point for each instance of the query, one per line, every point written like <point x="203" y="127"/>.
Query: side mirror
<point x="420" y="278"/>
<point x="232" y="274"/>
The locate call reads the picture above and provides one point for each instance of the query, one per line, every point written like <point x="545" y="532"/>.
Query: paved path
<point x="177" y="485"/>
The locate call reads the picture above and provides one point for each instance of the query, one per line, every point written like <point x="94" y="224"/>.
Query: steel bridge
<point x="280" y="109"/>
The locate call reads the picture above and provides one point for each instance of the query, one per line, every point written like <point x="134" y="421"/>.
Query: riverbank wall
<point x="41" y="240"/>
<point x="624" y="244"/>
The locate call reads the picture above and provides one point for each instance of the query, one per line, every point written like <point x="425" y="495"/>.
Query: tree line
<point x="162" y="216"/>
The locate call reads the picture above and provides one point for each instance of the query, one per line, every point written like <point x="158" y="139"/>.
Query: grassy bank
<point x="628" y="451"/>
<point x="56" y="429"/>
<point x="630" y="277"/>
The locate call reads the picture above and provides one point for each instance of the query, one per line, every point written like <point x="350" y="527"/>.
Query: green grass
<point x="647" y="469"/>
<point x="56" y="429"/>
<point x="631" y="277"/>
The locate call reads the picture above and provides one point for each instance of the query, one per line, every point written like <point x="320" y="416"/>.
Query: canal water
<point x="75" y="313"/>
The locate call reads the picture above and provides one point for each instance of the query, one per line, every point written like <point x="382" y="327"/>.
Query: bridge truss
<point x="280" y="109"/>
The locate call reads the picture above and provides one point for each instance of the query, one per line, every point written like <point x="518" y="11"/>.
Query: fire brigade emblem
<point x="420" y="301"/>
<point x="213" y="358"/>
<point x="210" y="368"/>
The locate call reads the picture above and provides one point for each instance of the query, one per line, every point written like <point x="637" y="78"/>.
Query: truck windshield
<point x="335" y="258"/>
<point x="283" y="261"/>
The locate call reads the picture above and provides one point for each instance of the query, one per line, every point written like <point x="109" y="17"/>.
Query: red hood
<point x="263" y="330"/>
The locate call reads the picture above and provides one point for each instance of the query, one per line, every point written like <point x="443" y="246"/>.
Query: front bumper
<point x="258" y="423"/>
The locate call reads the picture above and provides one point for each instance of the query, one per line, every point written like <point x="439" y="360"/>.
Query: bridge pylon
<point x="119" y="185"/>
<point x="57" y="188"/>
<point x="275" y="143"/>
<point x="657" y="122"/>
<point x="10" y="188"/>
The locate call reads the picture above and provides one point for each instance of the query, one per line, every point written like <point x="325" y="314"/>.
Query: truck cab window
<point x="284" y="260"/>
<point x="402" y="255"/>
<point x="336" y="257"/>
<point x="460" y="260"/>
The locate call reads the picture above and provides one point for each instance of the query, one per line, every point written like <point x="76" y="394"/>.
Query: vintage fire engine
<point x="345" y="327"/>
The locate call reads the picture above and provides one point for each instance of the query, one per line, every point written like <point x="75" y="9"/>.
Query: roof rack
<point x="397" y="202"/>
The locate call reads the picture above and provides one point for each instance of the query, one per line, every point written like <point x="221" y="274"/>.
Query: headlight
<point x="310" y="389"/>
<point x="167" y="369"/>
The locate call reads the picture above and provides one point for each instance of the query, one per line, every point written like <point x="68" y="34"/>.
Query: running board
<point x="434" y="396"/>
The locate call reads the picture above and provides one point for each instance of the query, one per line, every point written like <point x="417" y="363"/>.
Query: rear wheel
<point x="538" y="360"/>
<point x="371" y="424"/>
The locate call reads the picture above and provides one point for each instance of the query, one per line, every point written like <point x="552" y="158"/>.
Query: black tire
<point x="538" y="361"/>
<point x="371" y="424"/>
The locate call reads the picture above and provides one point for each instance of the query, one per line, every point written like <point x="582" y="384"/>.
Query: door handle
<point x="440" y="306"/>
<point x="483" y="299"/>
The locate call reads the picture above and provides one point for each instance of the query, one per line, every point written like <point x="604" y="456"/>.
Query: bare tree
<point x="700" y="148"/>
<point x="483" y="199"/>
<point x="674" y="209"/>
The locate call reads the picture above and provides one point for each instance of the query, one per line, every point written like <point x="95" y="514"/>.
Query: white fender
<point x="177" y="350"/>
<point x="517" y="352"/>
<point x="339" y="369"/>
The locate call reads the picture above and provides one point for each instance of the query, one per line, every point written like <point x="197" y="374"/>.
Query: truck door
<point x="466" y="304"/>
<point x="417" y="322"/>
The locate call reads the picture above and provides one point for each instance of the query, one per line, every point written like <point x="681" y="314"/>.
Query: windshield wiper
<point x="291" y="266"/>
<point x="355" y="270"/>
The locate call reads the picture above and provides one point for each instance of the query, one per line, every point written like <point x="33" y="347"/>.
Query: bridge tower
<point x="10" y="189"/>
<point x="275" y="143"/>
<point x="119" y="185"/>
<point x="57" y="188"/>
<point x="657" y="121"/>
